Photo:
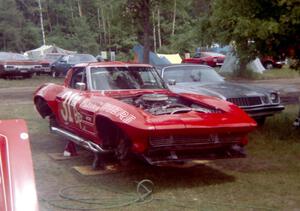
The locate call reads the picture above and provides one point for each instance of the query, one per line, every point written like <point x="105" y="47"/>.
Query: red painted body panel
<point x="210" y="60"/>
<point x="138" y="124"/>
<point x="17" y="186"/>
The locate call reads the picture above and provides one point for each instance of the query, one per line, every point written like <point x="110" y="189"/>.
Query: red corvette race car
<point x="126" y="109"/>
<point x="17" y="186"/>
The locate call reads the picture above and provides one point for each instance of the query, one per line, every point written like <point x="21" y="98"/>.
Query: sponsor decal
<point x="70" y="113"/>
<point x="118" y="112"/>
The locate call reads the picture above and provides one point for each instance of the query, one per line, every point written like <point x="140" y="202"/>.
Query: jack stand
<point x="70" y="150"/>
<point x="97" y="164"/>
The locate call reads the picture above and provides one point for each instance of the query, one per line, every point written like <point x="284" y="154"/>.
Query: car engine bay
<point x="160" y="104"/>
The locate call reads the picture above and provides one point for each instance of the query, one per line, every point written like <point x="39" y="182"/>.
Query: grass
<point x="35" y="81"/>
<point x="268" y="179"/>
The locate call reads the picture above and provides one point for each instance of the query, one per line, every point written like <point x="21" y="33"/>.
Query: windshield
<point x="116" y="78"/>
<point x="80" y="58"/>
<point x="12" y="56"/>
<point x="52" y="57"/>
<point x="184" y="74"/>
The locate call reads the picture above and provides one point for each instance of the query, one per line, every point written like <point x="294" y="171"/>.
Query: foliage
<point x="258" y="27"/>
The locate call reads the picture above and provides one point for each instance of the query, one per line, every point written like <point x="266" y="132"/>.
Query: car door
<point x="61" y="64"/>
<point x="71" y="114"/>
<point x="68" y="101"/>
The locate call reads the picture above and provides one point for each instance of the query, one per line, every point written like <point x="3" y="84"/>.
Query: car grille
<point x="45" y="65"/>
<point x="246" y="101"/>
<point x="168" y="141"/>
<point x="220" y="60"/>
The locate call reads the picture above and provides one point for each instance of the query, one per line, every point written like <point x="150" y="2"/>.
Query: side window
<point x="79" y="75"/>
<point x="65" y="59"/>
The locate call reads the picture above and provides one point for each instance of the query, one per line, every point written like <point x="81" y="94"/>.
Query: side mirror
<point x="80" y="86"/>
<point x="172" y="82"/>
<point x="62" y="61"/>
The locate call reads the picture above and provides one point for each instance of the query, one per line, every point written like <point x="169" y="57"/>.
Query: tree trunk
<point x="104" y="26"/>
<point x="79" y="8"/>
<point x="146" y="22"/>
<point x="158" y="28"/>
<point x="99" y="27"/>
<point x="174" y="18"/>
<point x="154" y="32"/>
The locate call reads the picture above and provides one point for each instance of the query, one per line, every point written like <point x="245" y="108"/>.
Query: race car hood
<point x="17" y="186"/>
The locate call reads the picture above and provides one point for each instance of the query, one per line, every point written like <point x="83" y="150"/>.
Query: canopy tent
<point x="45" y="49"/>
<point x="173" y="58"/>
<point x="155" y="59"/>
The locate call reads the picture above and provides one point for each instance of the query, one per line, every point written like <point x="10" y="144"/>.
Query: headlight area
<point x="9" y="67"/>
<point x="274" y="97"/>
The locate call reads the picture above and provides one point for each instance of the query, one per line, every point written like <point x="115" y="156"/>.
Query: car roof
<point x="111" y="64"/>
<point x="160" y="67"/>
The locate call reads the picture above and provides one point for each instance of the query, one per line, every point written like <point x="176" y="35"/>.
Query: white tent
<point x="231" y="64"/>
<point x="45" y="49"/>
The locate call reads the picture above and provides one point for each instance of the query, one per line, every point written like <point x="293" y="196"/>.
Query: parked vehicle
<point x="258" y="102"/>
<point x="63" y="64"/>
<point x="17" y="185"/>
<point x="270" y="62"/>
<point x="17" y="65"/>
<point x="46" y="62"/>
<point x="124" y="109"/>
<point x="207" y="58"/>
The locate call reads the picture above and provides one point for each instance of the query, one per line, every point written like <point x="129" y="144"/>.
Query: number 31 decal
<point x="69" y="111"/>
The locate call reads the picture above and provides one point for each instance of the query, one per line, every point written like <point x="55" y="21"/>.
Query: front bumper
<point x="263" y="111"/>
<point x="210" y="152"/>
<point x="18" y="72"/>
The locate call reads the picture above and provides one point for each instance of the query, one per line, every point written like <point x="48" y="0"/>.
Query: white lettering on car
<point x="69" y="111"/>
<point x="118" y="112"/>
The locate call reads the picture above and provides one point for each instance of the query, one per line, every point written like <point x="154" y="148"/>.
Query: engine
<point x="159" y="104"/>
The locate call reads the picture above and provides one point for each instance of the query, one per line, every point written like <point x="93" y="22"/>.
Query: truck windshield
<point x="116" y="78"/>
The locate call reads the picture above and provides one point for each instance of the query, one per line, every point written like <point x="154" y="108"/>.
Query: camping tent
<point x="45" y="49"/>
<point x="231" y="64"/>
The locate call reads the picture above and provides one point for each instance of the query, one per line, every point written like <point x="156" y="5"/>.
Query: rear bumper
<point x="262" y="111"/>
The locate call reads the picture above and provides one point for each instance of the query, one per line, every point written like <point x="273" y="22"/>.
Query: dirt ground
<point x="175" y="184"/>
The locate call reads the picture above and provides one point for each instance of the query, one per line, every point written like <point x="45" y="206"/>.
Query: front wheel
<point x="54" y="74"/>
<point x="260" y="121"/>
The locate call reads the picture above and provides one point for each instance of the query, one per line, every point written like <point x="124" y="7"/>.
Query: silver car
<point x="258" y="102"/>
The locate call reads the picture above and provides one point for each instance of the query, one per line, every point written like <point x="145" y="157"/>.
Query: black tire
<point x="269" y="65"/>
<point x="260" y="121"/>
<point x="54" y="74"/>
